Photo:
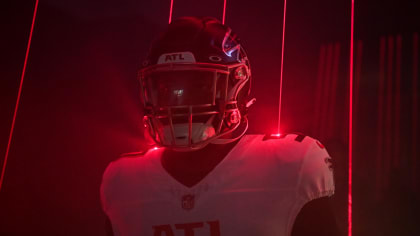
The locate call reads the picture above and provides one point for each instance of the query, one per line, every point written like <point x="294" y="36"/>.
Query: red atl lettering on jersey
<point x="189" y="228"/>
<point x="214" y="228"/>
<point x="174" y="57"/>
<point x="161" y="230"/>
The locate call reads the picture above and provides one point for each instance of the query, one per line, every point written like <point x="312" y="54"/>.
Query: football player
<point x="205" y="176"/>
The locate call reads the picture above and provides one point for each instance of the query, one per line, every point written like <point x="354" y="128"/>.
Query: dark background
<point x="80" y="109"/>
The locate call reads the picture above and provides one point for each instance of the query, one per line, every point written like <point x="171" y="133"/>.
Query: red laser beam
<point x="170" y="11"/>
<point x="326" y="91"/>
<point x="357" y="75"/>
<point x="18" y="96"/>
<point x="415" y="112"/>
<point x="380" y="132"/>
<point x="333" y="89"/>
<point x="351" y="122"/>
<point x="397" y="108"/>
<point x="388" y="111"/>
<point x="224" y="12"/>
<point x="282" y="62"/>
<point x="320" y="77"/>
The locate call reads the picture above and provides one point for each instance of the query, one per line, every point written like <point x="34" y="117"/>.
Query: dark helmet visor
<point x="184" y="87"/>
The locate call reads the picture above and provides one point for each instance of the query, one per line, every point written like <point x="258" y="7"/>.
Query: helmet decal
<point x="176" y="57"/>
<point x="229" y="47"/>
<point x="215" y="58"/>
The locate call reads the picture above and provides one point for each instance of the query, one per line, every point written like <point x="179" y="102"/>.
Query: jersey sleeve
<point x="108" y="181"/>
<point x="316" y="174"/>
<point x="107" y="193"/>
<point x="116" y="180"/>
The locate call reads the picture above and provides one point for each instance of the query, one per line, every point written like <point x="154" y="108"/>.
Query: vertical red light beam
<point x="319" y="82"/>
<point x="356" y="87"/>
<point x="333" y="90"/>
<point x="415" y="111"/>
<point x="357" y="75"/>
<point x="397" y="103"/>
<point x="388" y="111"/>
<point x="18" y="96"/>
<point x="351" y="121"/>
<point x="326" y="93"/>
<point x="170" y="11"/>
<point x="224" y="12"/>
<point x="380" y="124"/>
<point x="282" y="63"/>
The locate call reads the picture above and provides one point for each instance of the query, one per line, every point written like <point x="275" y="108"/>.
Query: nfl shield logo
<point x="187" y="202"/>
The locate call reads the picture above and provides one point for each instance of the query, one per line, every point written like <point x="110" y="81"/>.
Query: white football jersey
<point x="256" y="190"/>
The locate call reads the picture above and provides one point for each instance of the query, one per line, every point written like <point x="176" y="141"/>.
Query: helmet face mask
<point x="189" y="103"/>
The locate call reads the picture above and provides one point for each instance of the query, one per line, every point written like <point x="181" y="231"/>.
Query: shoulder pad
<point x="133" y="154"/>
<point x="299" y="137"/>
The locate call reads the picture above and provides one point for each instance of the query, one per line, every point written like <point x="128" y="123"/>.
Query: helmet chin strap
<point x="216" y="140"/>
<point x="230" y="140"/>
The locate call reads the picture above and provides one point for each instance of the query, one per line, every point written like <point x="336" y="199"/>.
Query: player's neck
<point x="189" y="168"/>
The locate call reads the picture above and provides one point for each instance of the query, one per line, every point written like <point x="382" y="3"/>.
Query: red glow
<point x="155" y="148"/>
<point x="381" y="92"/>
<point x="320" y="77"/>
<point x="388" y="111"/>
<point x="18" y="96"/>
<point x="351" y="122"/>
<point x="320" y="145"/>
<point x="170" y="11"/>
<point x="397" y="101"/>
<point x="414" y="108"/>
<point x="326" y="91"/>
<point x="357" y="74"/>
<point x="224" y="12"/>
<point x="282" y="60"/>
<point x="333" y="89"/>
<point x="276" y="135"/>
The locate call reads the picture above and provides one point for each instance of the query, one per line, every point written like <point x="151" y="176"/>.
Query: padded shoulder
<point x="316" y="174"/>
<point x="109" y="177"/>
<point x="298" y="136"/>
<point x="118" y="174"/>
<point x="134" y="154"/>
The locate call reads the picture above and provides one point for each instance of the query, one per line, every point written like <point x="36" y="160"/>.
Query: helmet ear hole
<point x="215" y="58"/>
<point x="240" y="73"/>
<point x="234" y="117"/>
